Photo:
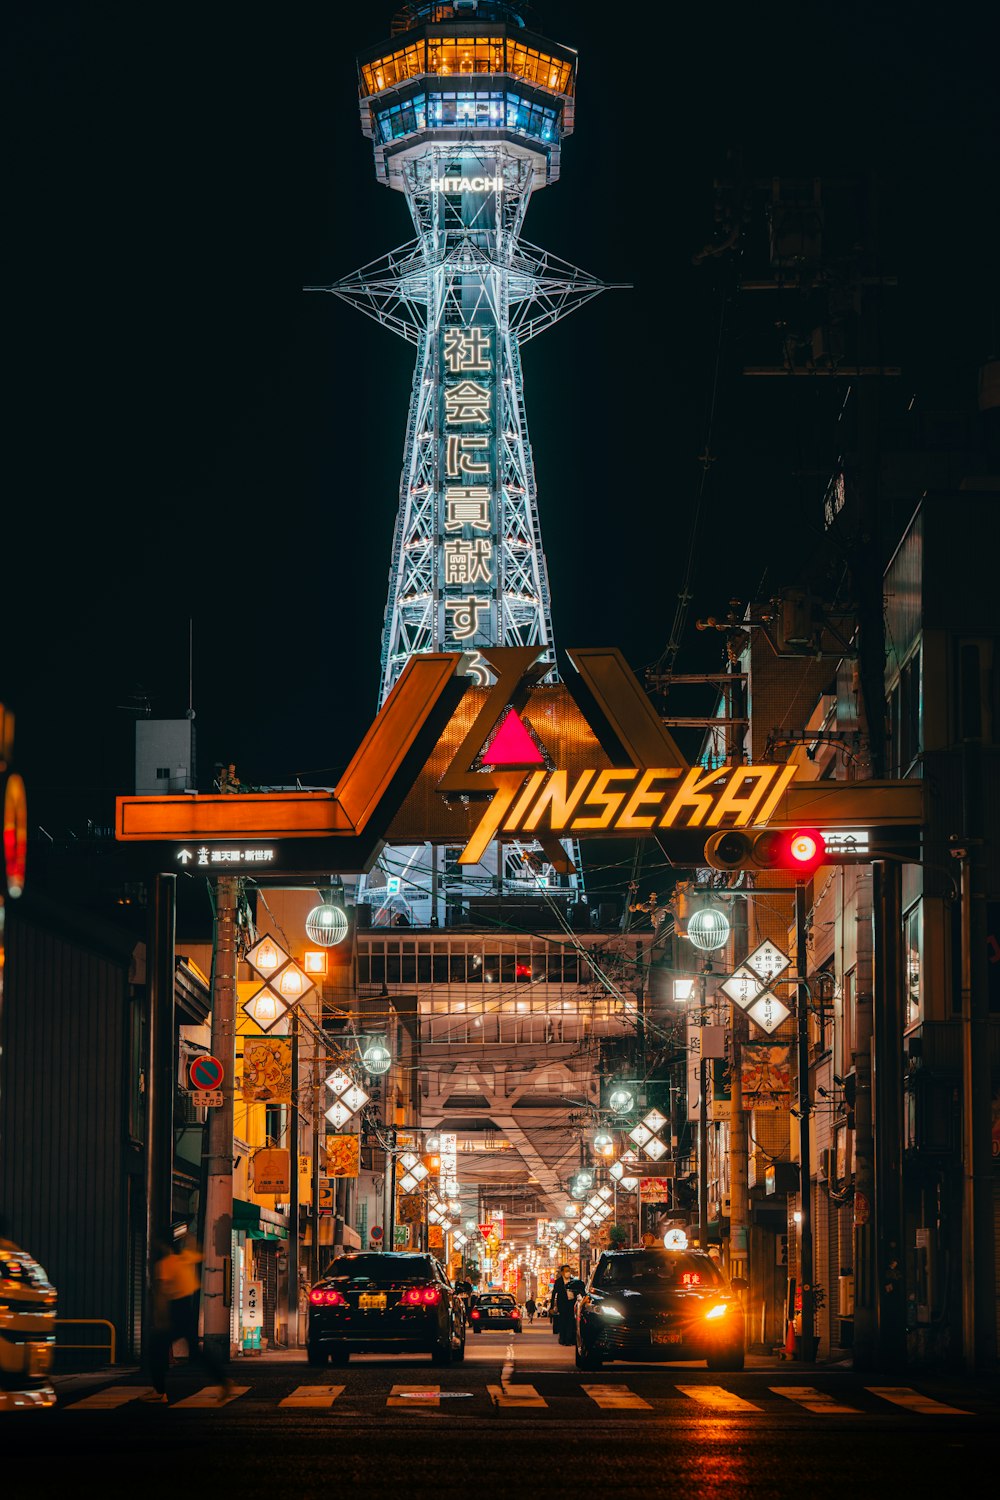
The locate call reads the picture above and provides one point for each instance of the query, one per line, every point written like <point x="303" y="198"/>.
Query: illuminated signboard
<point x="467" y="184"/>
<point x="631" y="801"/>
<point x="467" y="533"/>
<point x="453" y="760"/>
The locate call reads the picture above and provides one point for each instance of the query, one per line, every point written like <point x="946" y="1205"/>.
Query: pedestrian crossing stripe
<point x="902" y="1395"/>
<point x="717" y="1396"/>
<point x="313" y="1396"/>
<point x="515" y="1395"/>
<point x="609" y="1397"/>
<point x="112" y="1396"/>
<point x="813" y="1400"/>
<point x="616" y="1398"/>
<point x="209" y="1396"/>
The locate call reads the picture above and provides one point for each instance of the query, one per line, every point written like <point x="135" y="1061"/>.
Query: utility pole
<point x="317" y="1145"/>
<point x="865" y="1336"/>
<point x="808" y="1347"/>
<point x="739" y="1192"/>
<point x="703" y="1122"/>
<point x="160" y="1083"/>
<point x="979" y="1331"/>
<point x="887" y="1102"/>
<point x="294" y="1245"/>
<point x="217" y="1288"/>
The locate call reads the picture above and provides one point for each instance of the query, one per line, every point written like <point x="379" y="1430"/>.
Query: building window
<point x="905" y="718"/>
<point x="163" y="773"/>
<point x="274" y="1123"/>
<point x="912" y="935"/>
<point x="848" y="1023"/>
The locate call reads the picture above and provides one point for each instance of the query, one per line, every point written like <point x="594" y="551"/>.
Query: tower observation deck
<point x="467" y="111"/>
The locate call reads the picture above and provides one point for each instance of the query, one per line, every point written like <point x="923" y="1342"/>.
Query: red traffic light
<point x="805" y="845"/>
<point x="801" y="850"/>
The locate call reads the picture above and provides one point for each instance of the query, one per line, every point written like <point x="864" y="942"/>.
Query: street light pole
<point x="703" y="1123"/>
<point x="217" y="1292"/>
<point x="808" y="1349"/>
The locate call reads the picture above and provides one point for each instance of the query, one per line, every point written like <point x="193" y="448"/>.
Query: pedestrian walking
<point x="530" y="1309"/>
<point x="565" y="1293"/>
<point x="176" y="1282"/>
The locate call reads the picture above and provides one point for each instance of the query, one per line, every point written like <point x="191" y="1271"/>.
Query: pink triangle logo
<point x="512" y="745"/>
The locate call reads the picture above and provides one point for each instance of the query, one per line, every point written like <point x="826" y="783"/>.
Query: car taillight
<point x="475" y="1313"/>
<point x="322" y="1296"/>
<point x="421" y="1296"/>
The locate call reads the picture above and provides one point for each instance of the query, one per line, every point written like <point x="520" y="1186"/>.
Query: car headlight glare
<point x="609" y="1310"/>
<point x="719" y="1311"/>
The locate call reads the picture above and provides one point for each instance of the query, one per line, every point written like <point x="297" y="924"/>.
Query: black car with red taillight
<point x="495" y="1310"/>
<point x="385" y="1302"/>
<point x="652" y="1304"/>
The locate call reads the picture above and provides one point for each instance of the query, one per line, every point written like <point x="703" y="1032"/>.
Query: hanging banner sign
<point x="272" y="1170"/>
<point x="343" y="1155"/>
<point x="252" y="1311"/>
<point x="765" y="1077"/>
<point x="267" y="1070"/>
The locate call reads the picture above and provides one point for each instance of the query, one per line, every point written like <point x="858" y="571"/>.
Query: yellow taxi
<point x="27" y="1331"/>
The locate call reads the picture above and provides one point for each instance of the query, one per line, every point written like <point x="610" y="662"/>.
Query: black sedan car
<point x="385" y="1302"/>
<point x="660" y="1305"/>
<point x="495" y="1310"/>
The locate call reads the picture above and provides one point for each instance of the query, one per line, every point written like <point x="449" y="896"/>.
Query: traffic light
<point x="800" y="850"/>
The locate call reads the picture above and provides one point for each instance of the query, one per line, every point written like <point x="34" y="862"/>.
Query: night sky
<point x="189" y="437"/>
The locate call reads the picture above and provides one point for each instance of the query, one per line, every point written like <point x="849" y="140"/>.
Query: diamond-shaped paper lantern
<point x="292" y="983"/>
<point x="408" y="1183"/>
<point x="654" y="1120"/>
<point x="418" y="1170"/>
<point x="617" y="1170"/>
<point x="338" y="1114"/>
<point x="629" y="1184"/>
<point x="267" y="956"/>
<point x="408" y="1161"/>
<point x="768" y="1012"/>
<point x="630" y="1155"/>
<point x="742" y="987"/>
<point x="641" y="1134"/>
<point x="355" y="1097"/>
<point x="655" y="1148"/>
<point x="338" y="1081"/>
<point x="767" y="961"/>
<point x="265" y="1008"/>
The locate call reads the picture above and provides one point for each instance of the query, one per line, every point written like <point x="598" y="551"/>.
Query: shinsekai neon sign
<point x="451" y="760"/>
<point x="631" y="801"/>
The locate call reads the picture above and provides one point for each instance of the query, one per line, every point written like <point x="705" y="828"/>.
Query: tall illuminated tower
<point x="467" y="111"/>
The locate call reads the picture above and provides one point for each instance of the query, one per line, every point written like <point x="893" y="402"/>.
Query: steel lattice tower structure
<point x="467" y="111"/>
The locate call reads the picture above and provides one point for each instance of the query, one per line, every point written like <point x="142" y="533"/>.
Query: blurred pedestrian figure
<point x="530" y="1309"/>
<point x="565" y="1293"/>
<point x="176" y="1281"/>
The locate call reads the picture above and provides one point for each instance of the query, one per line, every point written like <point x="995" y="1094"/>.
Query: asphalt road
<point x="515" y="1419"/>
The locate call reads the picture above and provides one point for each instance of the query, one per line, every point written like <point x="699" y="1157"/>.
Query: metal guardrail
<point x="111" y="1345"/>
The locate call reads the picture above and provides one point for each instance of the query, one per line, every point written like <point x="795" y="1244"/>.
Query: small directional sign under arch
<point x="205" y="1072"/>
